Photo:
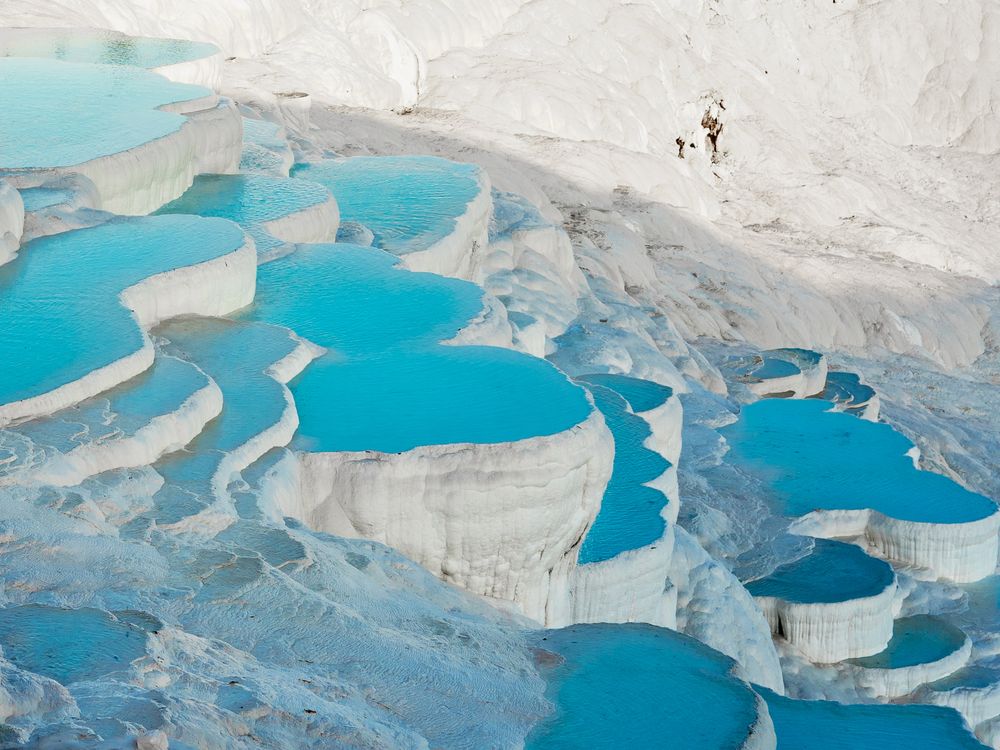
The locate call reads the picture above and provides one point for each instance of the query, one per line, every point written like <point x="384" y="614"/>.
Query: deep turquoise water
<point x="638" y="686"/>
<point x="100" y="46"/>
<point x="108" y="109"/>
<point x="68" y="645"/>
<point x="249" y="200"/>
<point x="387" y="384"/>
<point x="813" y="458"/>
<point x="409" y="202"/>
<point x="642" y="395"/>
<point x="629" y="517"/>
<point x="833" y="572"/>
<point x="824" y="725"/>
<point x="60" y="296"/>
<point x="916" y="640"/>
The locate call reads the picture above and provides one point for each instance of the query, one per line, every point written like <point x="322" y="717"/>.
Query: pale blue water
<point x="797" y="356"/>
<point x="263" y="148"/>
<point x="60" y="296"/>
<point x="629" y="517"/>
<point x="58" y="114"/>
<point x="824" y="725"/>
<point x="409" y="202"/>
<point x="387" y="384"/>
<point x="813" y="458"/>
<point x="117" y="413"/>
<point x="983" y="611"/>
<point x="763" y="367"/>
<point x="511" y="213"/>
<point x="976" y="676"/>
<point x="638" y="686"/>
<point x="642" y="395"/>
<point x="100" y="46"/>
<point x="833" y="572"/>
<point x="249" y="200"/>
<point x="38" y="198"/>
<point x="236" y="356"/>
<point x="916" y="640"/>
<point x="69" y="645"/>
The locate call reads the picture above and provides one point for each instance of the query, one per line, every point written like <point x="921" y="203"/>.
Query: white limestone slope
<point x="459" y="253"/>
<point x="11" y="221"/>
<point x="827" y="632"/>
<point x="503" y="520"/>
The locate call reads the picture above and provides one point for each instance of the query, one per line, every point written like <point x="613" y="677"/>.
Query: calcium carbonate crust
<point x="828" y="632"/>
<point x="11" y="221"/>
<point x="504" y="520"/>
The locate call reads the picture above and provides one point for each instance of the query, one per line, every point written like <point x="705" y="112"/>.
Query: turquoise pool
<point x="408" y="202"/>
<point x="832" y="572"/>
<point x="100" y="46"/>
<point x="824" y="725"/>
<point x="387" y="384"/>
<point x="638" y="686"/>
<point x="916" y="640"/>
<point x="249" y="200"/>
<point x="813" y="458"/>
<point x="60" y="296"/>
<point x="642" y="395"/>
<point x="629" y="517"/>
<point x="62" y="114"/>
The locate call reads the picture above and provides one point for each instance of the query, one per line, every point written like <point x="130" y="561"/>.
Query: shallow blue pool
<point x="249" y="200"/>
<point x="832" y="572"/>
<point x="755" y="368"/>
<point x="408" y="202"/>
<point x="237" y="356"/>
<point x="824" y="725"/>
<point x="100" y="46"/>
<point x="642" y="395"/>
<point x="386" y="383"/>
<point x="38" y="198"/>
<point x="629" y="517"/>
<point x="62" y="114"/>
<point x="638" y="686"/>
<point x="812" y="458"/>
<point x="69" y="645"/>
<point x="916" y="640"/>
<point x="60" y="296"/>
<point x="119" y="412"/>
<point x="846" y="389"/>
